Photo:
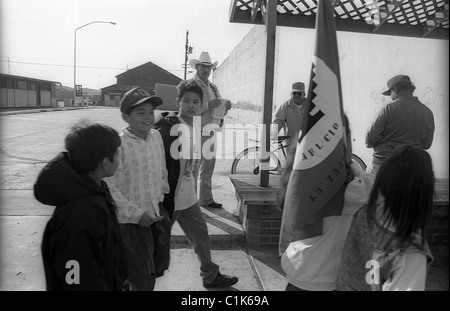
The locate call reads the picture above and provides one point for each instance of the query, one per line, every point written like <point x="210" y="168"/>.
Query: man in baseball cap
<point x="298" y="87"/>
<point x="289" y="114"/>
<point x="137" y="96"/>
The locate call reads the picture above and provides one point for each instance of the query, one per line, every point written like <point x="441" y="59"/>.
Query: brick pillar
<point x="262" y="225"/>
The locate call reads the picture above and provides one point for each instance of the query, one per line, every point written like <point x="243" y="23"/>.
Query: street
<point x="29" y="141"/>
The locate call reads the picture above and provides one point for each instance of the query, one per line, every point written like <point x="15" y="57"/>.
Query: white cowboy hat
<point x="203" y="59"/>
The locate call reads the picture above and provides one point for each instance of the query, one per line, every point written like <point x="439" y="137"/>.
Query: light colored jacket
<point x="312" y="264"/>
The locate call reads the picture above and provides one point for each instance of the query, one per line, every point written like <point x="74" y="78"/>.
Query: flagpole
<point x="320" y="170"/>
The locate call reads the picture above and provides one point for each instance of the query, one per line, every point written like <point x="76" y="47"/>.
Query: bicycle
<point x="247" y="161"/>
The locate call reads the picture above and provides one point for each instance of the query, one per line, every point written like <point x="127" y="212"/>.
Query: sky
<point x="38" y="37"/>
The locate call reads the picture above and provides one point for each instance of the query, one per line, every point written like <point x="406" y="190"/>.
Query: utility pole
<point x="186" y="51"/>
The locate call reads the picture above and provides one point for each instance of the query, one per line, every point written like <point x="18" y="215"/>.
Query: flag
<point x="318" y="180"/>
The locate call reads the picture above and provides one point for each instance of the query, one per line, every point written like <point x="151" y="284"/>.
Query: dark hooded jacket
<point x="164" y="125"/>
<point x="83" y="236"/>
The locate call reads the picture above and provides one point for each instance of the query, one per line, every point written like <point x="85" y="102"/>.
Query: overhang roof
<point x="411" y="18"/>
<point x="28" y="78"/>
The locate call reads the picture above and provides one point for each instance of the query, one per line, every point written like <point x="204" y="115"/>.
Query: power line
<point x="57" y="65"/>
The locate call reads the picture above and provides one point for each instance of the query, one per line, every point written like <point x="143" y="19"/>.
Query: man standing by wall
<point x="289" y="115"/>
<point x="404" y="121"/>
<point x="211" y="101"/>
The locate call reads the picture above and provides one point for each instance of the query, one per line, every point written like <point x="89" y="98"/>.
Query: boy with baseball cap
<point x="138" y="187"/>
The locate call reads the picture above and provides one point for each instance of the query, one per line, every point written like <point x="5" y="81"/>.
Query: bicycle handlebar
<point x="280" y="139"/>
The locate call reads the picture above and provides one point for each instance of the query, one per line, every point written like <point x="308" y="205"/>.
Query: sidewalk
<point x="22" y="220"/>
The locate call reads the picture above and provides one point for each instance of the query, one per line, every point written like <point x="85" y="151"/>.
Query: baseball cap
<point x="137" y="96"/>
<point x="298" y="87"/>
<point x="395" y="80"/>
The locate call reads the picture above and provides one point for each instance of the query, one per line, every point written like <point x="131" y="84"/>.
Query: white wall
<point x="367" y="61"/>
<point x="241" y="76"/>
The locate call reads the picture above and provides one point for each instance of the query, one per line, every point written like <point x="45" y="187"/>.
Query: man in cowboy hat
<point x="289" y="115"/>
<point x="404" y="121"/>
<point x="211" y="100"/>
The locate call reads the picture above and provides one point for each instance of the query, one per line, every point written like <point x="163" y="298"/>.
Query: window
<point x="44" y="86"/>
<point x="32" y="86"/>
<point x="21" y="85"/>
<point x="9" y="83"/>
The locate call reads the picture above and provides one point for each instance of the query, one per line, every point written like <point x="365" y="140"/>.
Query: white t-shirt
<point x="185" y="195"/>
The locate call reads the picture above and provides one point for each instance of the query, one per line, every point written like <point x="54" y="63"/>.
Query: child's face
<point x="190" y="105"/>
<point x="111" y="168"/>
<point x="141" y="119"/>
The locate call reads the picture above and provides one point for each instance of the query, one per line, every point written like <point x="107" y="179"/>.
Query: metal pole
<point x="74" y="68"/>
<point x="271" y="25"/>
<point x="75" y="56"/>
<point x="186" y="54"/>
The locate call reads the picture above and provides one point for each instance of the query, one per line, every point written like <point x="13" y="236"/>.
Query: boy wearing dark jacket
<point x="182" y="159"/>
<point x="82" y="246"/>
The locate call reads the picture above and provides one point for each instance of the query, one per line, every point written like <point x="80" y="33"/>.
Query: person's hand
<point x="146" y="220"/>
<point x="127" y="286"/>
<point x="214" y="103"/>
<point x="356" y="168"/>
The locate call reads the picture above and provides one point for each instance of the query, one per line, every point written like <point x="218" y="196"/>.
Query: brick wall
<point x="438" y="232"/>
<point x="262" y="225"/>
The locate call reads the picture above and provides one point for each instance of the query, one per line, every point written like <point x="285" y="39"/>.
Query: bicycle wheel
<point x="359" y="161"/>
<point x="247" y="162"/>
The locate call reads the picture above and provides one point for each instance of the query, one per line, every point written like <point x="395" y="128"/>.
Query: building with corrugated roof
<point x="145" y="76"/>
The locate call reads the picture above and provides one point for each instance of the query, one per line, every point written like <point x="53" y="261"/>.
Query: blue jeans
<point x="194" y="227"/>
<point x="204" y="173"/>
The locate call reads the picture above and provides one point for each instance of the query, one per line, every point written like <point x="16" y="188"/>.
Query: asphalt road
<point x="29" y="141"/>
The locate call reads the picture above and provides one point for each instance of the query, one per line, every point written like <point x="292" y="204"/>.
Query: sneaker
<point x="214" y="205"/>
<point x="222" y="280"/>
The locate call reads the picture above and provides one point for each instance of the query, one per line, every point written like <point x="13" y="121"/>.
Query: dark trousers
<point x="147" y="251"/>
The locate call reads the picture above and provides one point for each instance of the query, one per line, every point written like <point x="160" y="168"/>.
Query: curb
<point x="37" y="110"/>
<point x="256" y="272"/>
<point x="217" y="241"/>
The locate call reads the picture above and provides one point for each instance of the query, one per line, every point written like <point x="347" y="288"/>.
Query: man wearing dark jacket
<point x="82" y="247"/>
<point x="404" y="121"/>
